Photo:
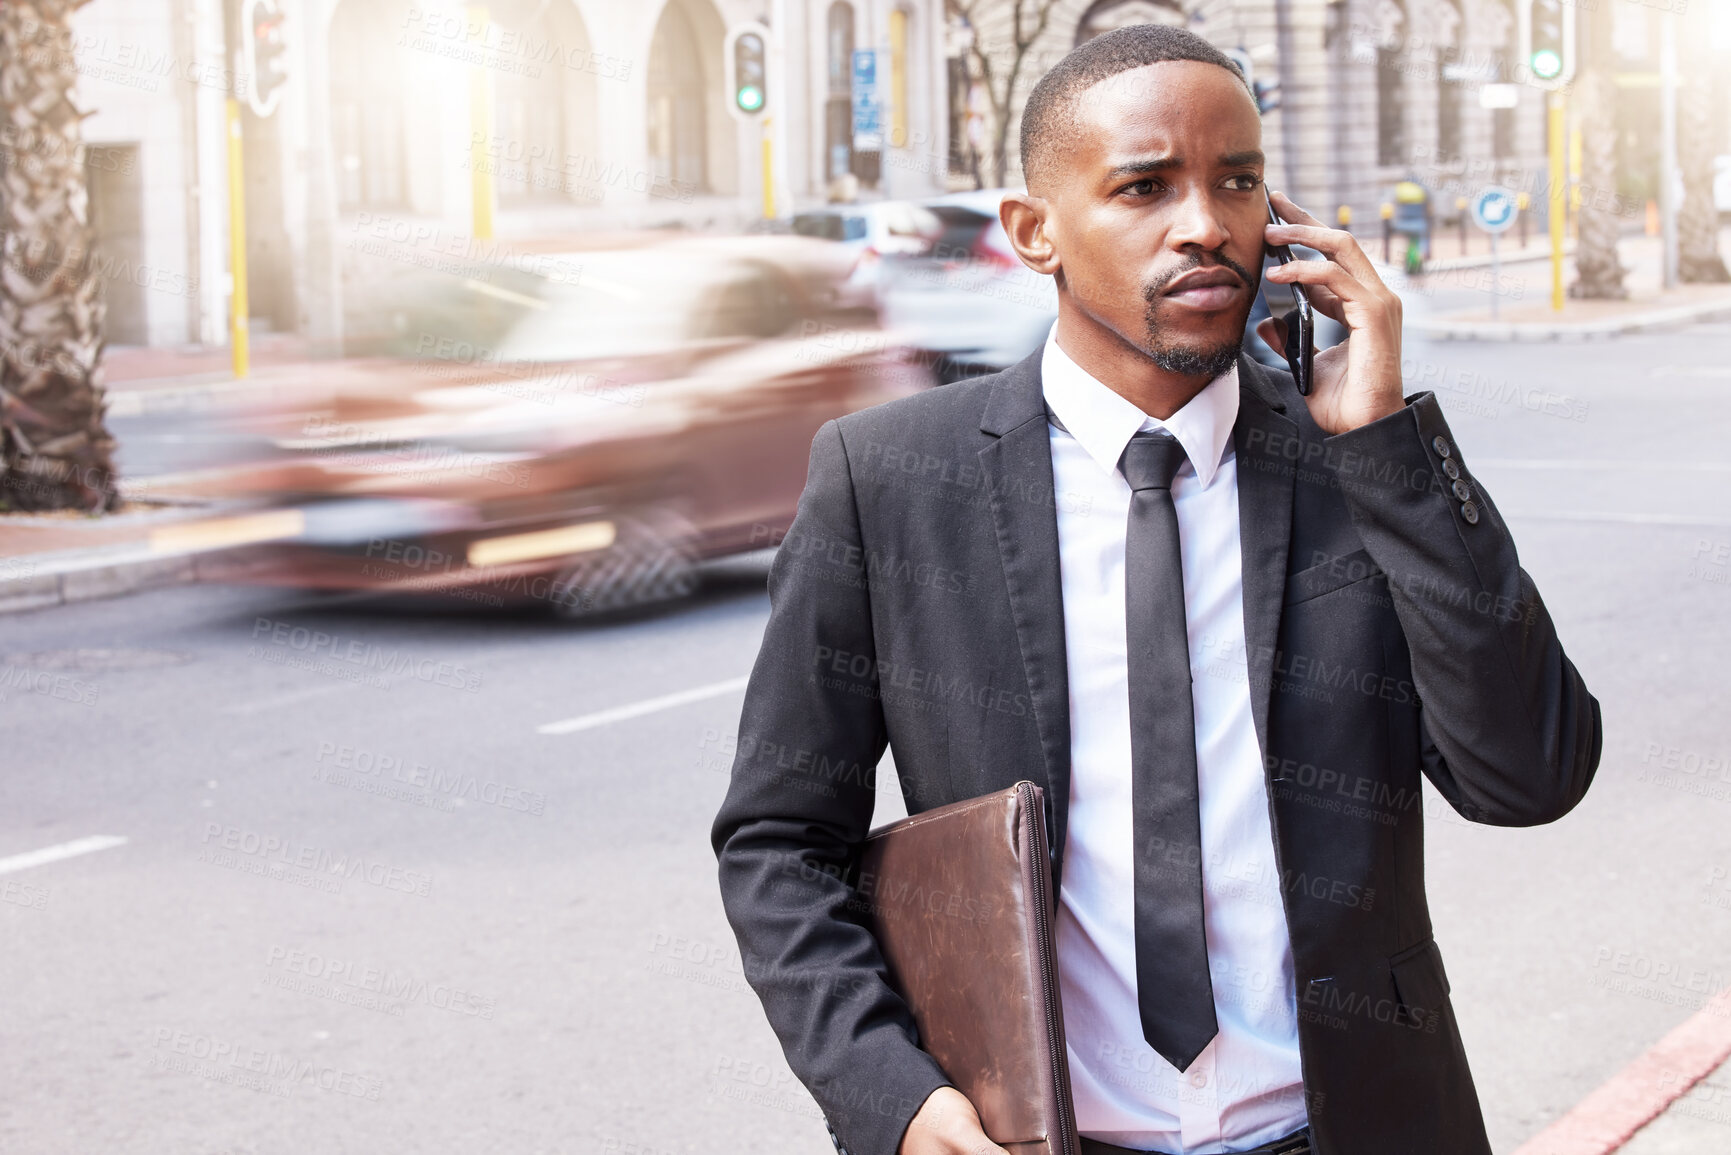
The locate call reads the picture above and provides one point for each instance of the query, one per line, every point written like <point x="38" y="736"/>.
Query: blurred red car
<point x="579" y="428"/>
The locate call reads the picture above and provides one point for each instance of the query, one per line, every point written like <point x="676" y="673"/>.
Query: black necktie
<point x="1173" y="989"/>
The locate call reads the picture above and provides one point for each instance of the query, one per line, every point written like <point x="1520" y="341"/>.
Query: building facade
<point x="514" y="118"/>
<point x="1361" y="93"/>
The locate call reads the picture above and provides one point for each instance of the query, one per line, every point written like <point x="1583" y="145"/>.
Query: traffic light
<point x="265" y="50"/>
<point x="1548" y="41"/>
<point x="750" y="73"/>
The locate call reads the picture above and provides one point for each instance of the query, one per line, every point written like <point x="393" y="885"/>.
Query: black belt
<point x="1297" y="1143"/>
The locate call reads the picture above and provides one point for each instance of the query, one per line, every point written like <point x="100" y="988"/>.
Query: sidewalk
<point x="1524" y="306"/>
<point x="141" y="379"/>
<point x="50" y="559"/>
<point x="1698" y="1122"/>
<point x="160" y="534"/>
<point x="1673" y="1099"/>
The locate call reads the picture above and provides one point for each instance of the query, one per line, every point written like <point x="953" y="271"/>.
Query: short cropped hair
<point x="1051" y="106"/>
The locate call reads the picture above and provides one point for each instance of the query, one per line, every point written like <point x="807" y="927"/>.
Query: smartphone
<point x="1300" y="348"/>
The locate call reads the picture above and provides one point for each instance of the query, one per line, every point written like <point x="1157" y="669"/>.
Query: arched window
<point x="1499" y="32"/>
<point x="1106" y="15"/>
<point x="533" y="97"/>
<point x="838" y="107"/>
<point x="367" y="92"/>
<point x="678" y="135"/>
<point x="1391" y="31"/>
<point x="1450" y="90"/>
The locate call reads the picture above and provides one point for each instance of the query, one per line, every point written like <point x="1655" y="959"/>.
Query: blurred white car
<point x="968" y="300"/>
<point x="872" y="232"/>
<point x="1722" y="184"/>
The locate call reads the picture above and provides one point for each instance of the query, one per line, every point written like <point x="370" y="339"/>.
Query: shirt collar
<point x="1103" y="420"/>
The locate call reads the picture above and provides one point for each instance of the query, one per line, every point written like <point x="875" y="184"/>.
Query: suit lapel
<point x="1017" y="464"/>
<point x="1261" y="439"/>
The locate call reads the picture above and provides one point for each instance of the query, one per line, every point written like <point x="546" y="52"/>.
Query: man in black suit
<point x="1032" y="575"/>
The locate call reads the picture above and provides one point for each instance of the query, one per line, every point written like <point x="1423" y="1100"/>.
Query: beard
<point x="1188" y="358"/>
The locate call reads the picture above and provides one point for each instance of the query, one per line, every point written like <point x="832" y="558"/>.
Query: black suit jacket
<point x="1390" y="633"/>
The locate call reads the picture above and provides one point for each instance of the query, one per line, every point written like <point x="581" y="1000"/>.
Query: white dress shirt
<point x="1245" y="1089"/>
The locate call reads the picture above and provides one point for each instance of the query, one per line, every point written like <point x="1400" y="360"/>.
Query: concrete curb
<point x="30" y="583"/>
<point x="1474" y="260"/>
<point x="1585" y="331"/>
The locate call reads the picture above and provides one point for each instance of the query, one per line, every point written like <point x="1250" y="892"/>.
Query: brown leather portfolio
<point x="960" y="899"/>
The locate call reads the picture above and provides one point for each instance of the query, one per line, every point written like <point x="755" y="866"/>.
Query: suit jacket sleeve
<point x="1511" y="735"/>
<point x="797" y="807"/>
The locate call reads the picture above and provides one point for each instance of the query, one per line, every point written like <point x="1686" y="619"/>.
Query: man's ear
<point x="1028" y="222"/>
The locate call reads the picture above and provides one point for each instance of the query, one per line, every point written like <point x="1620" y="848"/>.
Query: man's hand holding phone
<point x="947" y="1124"/>
<point x="1359" y="380"/>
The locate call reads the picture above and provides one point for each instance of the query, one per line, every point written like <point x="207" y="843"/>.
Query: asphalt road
<point x="521" y="950"/>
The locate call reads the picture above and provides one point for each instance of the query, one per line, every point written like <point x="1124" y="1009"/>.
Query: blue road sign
<point x="1494" y="209"/>
<point x="868" y="130"/>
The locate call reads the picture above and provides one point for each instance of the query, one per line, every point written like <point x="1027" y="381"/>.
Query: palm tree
<point x="55" y="452"/>
<point x="1698" y="219"/>
<point x="1598" y="269"/>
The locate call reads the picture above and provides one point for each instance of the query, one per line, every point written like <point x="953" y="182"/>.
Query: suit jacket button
<point x="1470" y="512"/>
<point x="1450" y="468"/>
<point x="1441" y="445"/>
<point x="1463" y="490"/>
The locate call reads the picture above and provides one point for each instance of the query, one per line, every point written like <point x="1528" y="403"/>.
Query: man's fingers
<point x="1337" y="279"/>
<point x="1289" y="210"/>
<point x="1273" y="334"/>
<point x="1337" y="245"/>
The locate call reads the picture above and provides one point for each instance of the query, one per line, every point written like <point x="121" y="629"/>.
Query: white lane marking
<point x="59" y="851"/>
<point x="638" y="709"/>
<point x="287" y="699"/>
<point x="1672" y="519"/>
<point x="1602" y="466"/>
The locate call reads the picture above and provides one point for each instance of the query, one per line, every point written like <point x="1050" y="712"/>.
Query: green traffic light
<point x="1547" y="64"/>
<point x="750" y="97"/>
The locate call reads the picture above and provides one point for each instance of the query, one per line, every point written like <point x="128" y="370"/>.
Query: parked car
<point x="968" y="302"/>
<point x="1722" y="185"/>
<point x="579" y="429"/>
<point x="871" y="233"/>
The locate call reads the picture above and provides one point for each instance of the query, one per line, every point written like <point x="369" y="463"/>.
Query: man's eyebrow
<point x="1153" y="164"/>
<point x="1145" y="164"/>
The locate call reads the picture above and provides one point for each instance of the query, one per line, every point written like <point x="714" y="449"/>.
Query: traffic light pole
<point x="768" y="168"/>
<point x="234" y="40"/>
<point x="239" y="346"/>
<point x="482" y="193"/>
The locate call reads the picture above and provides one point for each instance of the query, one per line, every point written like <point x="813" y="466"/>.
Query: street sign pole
<point x="1494" y="210"/>
<point x="1496" y="276"/>
<point x="1668" y="145"/>
<point x="1557" y="201"/>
